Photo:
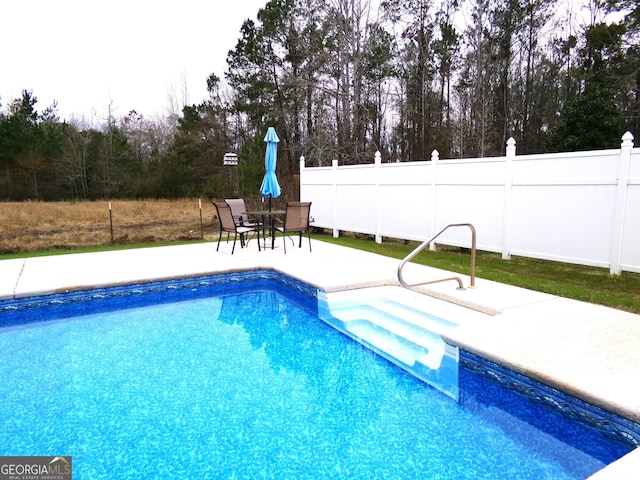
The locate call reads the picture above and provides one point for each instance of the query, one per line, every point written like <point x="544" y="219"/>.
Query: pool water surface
<point x="249" y="385"/>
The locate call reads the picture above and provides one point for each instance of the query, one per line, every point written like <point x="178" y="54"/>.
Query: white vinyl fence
<point x="580" y="207"/>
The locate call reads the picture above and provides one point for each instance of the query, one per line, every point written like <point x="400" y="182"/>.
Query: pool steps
<point x="398" y="328"/>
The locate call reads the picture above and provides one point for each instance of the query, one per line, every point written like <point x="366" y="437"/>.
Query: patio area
<point x="589" y="351"/>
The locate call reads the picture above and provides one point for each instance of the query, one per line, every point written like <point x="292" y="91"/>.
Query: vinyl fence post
<point x="507" y="195"/>
<point x="377" y="160"/>
<point x="435" y="157"/>
<point x="334" y="173"/>
<point x="621" y="204"/>
<point x="302" y="163"/>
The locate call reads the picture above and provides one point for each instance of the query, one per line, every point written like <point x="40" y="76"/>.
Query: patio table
<point x="271" y="214"/>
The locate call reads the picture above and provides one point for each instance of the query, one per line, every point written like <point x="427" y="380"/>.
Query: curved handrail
<point x="427" y="242"/>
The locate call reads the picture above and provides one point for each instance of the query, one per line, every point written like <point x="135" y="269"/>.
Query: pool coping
<point x="585" y="350"/>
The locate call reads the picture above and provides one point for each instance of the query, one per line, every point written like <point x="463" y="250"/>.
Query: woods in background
<point x="341" y="80"/>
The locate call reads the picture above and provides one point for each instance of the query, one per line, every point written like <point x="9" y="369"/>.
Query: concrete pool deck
<point x="589" y="351"/>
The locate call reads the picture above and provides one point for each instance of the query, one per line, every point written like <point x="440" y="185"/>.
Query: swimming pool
<point x="235" y="376"/>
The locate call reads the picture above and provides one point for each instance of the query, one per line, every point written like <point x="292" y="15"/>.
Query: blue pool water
<point x="242" y="380"/>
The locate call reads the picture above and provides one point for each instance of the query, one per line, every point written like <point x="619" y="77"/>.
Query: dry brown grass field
<point x="37" y="226"/>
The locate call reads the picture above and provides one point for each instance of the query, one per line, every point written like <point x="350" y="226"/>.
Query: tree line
<point x="340" y="79"/>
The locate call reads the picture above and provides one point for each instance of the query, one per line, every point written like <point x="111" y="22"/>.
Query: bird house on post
<point x="230" y="160"/>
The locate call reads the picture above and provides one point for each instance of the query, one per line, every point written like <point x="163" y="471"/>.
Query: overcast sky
<point x="134" y="54"/>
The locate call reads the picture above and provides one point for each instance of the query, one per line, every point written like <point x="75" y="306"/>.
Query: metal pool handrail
<point x="427" y="242"/>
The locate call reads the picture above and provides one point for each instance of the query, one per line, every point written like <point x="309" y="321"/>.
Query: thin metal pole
<point x="201" y="227"/>
<point x="111" y="222"/>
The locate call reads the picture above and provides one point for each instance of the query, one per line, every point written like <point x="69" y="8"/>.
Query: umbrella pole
<point x="272" y="230"/>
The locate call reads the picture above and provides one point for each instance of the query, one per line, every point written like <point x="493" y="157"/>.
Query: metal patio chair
<point x="296" y="220"/>
<point x="227" y="224"/>
<point x="240" y="216"/>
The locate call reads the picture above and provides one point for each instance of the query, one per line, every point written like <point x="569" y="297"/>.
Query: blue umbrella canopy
<point x="270" y="187"/>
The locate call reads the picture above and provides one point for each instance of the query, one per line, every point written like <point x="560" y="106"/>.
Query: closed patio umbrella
<point x="270" y="187"/>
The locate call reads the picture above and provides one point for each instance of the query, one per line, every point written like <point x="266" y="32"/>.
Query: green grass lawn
<point x="590" y="284"/>
<point x="100" y="248"/>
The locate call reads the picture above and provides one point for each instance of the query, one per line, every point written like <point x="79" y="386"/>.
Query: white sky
<point x="134" y="54"/>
